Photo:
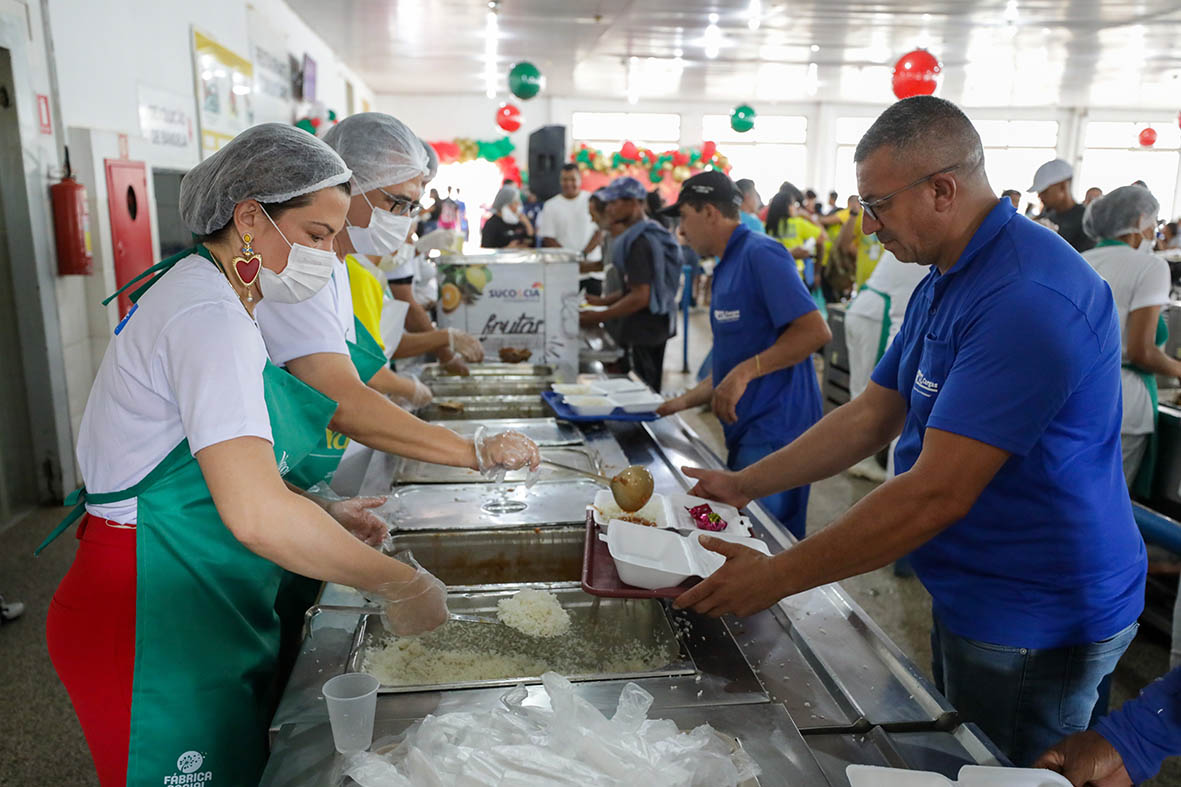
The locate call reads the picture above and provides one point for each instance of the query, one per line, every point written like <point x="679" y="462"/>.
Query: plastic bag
<point x="569" y="743"/>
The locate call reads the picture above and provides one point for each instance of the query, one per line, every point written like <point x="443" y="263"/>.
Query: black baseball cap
<point x="709" y="186"/>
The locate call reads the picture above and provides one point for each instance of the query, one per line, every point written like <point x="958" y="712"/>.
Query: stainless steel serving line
<point x="812" y="668"/>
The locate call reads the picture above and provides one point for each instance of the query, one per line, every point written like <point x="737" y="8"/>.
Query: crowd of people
<point x="1009" y="366"/>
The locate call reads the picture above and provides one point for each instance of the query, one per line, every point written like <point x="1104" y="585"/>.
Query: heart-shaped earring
<point x="247" y="266"/>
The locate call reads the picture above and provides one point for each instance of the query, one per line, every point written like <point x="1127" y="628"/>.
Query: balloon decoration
<point x="524" y="80"/>
<point x="742" y="118"/>
<point x="663" y="171"/>
<point x="915" y="73"/>
<point x="508" y="117"/>
<point x="1148" y="137"/>
<point x="499" y="152"/>
<point x="318" y="120"/>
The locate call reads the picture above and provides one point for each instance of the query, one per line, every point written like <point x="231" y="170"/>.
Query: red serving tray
<point x="599" y="577"/>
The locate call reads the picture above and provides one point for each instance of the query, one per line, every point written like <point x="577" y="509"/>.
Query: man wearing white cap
<point x="1051" y="182"/>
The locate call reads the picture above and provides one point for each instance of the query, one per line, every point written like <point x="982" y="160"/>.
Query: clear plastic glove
<point x="456" y="365"/>
<point x="354" y="515"/>
<point x="465" y="345"/>
<point x="442" y="240"/>
<point x="415" y="606"/>
<point x="420" y="397"/>
<point x="503" y="451"/>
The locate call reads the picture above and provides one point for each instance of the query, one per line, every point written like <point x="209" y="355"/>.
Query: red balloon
<point x="915" y="74"/>
<point x="708" y="149"/>
<point x="316" y="122"/>
<point x="447" y="151"/>
<point x="1148" y="137"/>
<point x="680" y="159"/>
<point x="508" y="117"/>
<point x="629" y="151"/>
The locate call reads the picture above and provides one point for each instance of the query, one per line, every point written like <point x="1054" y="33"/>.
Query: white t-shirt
<point x="1137" y="281"/>
<point x="567" y="221"/>
<point x="321" y="324"/>
<point x="896" y="279"/>
<point x="187" y="363"/>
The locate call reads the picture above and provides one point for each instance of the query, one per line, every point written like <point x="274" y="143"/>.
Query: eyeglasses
<point x="870" y="207"/>
<point x="402" y="205"/>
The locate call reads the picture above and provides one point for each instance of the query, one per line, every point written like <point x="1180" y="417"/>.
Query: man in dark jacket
<point x="649" y="260"/>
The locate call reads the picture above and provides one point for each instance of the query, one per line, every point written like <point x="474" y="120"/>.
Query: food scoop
<point x="631" y="487"/>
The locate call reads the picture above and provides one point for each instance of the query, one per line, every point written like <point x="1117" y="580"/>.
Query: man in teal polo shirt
<point x="765" y="327"/>
<point x="1005" y="385"/>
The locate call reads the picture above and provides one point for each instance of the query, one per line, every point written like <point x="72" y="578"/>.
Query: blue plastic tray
<point x="554" y="400"/>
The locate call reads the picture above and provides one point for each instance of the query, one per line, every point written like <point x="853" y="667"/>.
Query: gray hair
<point x="924" y="127"/>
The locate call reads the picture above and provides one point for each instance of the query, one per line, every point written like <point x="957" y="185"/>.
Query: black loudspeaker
<point x="547" y="154"/>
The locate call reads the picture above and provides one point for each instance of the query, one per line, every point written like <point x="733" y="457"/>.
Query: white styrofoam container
<point x="571" y="389"/>
<point x="604" y="507"/>
<point x="969" y="776"/>
<point x="615" y="385"/>
<point x="650" y="558"/>
<point x="590" y="405"/>
<point x="669" y="511"/>
<point x="637" y="401"/>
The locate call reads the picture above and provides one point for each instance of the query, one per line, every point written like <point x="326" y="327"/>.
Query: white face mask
<point x="385" y="234"/>
<point x="509" y="217"/>
<point x="307" y="271"/>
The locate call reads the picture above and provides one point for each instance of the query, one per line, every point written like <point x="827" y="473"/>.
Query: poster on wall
<point x="167" y="122"/>
<point x="514" y="306"/>
<point x="273" y="101"/>
<point x="224" y="84"/>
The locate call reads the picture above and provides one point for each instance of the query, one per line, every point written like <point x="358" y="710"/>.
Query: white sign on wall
<point x="168" y="120"/>
<point x="514" y="305"/>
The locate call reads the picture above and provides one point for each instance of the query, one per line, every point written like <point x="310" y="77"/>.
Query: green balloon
<point x="524" y="80"/>
<point x="307" y="126"/>
<point x="742" y="118"/>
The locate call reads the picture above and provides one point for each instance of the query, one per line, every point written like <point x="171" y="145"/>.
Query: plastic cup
<point x="352" y="704"/>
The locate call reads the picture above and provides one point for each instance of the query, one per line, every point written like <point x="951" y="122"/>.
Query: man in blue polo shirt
<point x="1005" y="385"/>
<point x="765" y="328"/>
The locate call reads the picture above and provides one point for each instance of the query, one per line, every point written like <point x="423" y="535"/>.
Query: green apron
<point x="1146" y="473"/>
<point x="207" y="636"/>
<point x="884" y="340"/>
<point x="297" y="592"/>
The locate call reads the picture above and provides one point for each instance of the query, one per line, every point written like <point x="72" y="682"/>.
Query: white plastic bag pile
<point x="571" y="743"/>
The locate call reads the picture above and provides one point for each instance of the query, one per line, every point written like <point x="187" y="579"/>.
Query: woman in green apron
<point x="164" y="630"/>
<point x="1124" y="224"/>
<point x="321" y="342"/>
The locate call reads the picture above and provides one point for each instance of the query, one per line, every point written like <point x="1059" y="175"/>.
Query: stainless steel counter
<point x="815" y="662"/>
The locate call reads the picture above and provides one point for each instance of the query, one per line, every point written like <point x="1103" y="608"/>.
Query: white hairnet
<point x="506" y="196"/>
<point x="270" y="162"/>
<point x="380" y="149"/>
<point x="1119" y="212"/>
<point x="432" y="161"/>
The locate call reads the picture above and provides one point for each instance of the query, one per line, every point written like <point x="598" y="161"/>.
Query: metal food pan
<point x="466" y="408"/>
<point x="411" y="471"/>
<point x="476" y="559"/>
<point x="446" y="387"/>
<point x="610" y="624"/>
<point x="434" y="371"/>
<point x="543" y="431"/>
<point x="477" y="506"/>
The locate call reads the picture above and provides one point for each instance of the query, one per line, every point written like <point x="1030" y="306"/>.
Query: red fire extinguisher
<point x="71" y="221"/>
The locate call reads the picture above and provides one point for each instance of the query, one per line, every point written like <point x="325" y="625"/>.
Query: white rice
<point x="536" y="613"/>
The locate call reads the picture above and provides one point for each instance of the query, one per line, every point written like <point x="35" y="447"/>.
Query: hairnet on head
<point x="270" y="162"/>
<point x="380" y="150"/>
<point x="506" y="196"/>
<point x="432" y="161"/>
<point x="1119" y="212"/>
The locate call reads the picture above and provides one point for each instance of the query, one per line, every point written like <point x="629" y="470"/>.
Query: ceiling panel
<point x="995" y="53"/>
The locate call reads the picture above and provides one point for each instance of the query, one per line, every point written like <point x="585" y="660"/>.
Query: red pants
<point x="91" y="636"/>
